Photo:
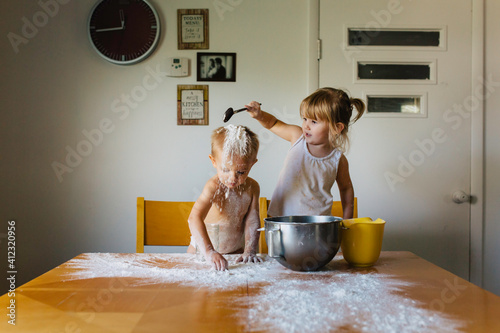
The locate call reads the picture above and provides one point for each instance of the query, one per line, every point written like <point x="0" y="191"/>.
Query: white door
<point x="405" y="167"/>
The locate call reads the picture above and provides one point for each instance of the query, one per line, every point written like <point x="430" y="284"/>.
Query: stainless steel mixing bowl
<point x="303" y="243"/>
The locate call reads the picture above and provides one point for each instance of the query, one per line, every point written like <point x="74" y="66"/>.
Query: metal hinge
<point x="318" y="42"/>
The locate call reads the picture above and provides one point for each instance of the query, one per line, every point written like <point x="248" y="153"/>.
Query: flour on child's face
<point x="233" y="175"/>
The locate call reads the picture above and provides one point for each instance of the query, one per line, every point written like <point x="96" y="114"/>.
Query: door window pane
<point x="391" y="104"/>
<point x="373" y="71"/>
<point x="366" y="37"/>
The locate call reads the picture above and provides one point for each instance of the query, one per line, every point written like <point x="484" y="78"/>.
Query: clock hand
<point x="110" y="29"/>
<point x="122" y="20"/>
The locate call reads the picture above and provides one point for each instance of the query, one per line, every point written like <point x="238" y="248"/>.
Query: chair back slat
<point x="166" y="223"/>
<point x="162" y="223"/>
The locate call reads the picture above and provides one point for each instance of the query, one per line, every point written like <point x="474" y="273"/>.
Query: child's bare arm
<point x="252" y="223"/>
<point x="198" y="229"/>
<point x="345" y="188"/>
<point x="285" y="131"/>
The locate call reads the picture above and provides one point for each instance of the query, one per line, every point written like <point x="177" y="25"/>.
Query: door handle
<point x="460" y="197"/>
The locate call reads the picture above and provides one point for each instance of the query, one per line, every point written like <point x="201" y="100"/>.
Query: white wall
<point x="56" y="86"/>
<point x="491" y="275"/>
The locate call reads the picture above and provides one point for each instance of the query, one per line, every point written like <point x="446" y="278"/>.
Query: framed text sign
<point x="192" y="105"/>
<point x="192" y="29"/>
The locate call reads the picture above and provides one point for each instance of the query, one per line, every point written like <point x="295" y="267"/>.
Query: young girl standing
<point x="315" y="160"/>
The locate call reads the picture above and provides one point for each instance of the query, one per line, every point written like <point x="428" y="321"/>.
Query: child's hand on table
<point x="217" y="260"/>
<point x="249" y="257"/>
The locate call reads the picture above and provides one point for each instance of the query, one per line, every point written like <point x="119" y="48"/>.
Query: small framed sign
<point x="192" y="105"/>
<point x="192" y="29"/>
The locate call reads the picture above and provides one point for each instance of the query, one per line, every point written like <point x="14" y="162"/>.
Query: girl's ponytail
<point x="360" y="107"/>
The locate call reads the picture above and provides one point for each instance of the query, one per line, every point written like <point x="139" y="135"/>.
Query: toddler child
<point x="315" y="160"/>
<point x="229" y="202"/>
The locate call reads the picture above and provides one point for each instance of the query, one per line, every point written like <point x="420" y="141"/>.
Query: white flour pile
<point x="191" y="270"/>
<point x="370" y="301"/>
<point x="374" y="302"/>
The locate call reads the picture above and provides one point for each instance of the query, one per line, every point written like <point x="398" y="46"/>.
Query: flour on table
<point x="361" y="301"/>
<point x="190" y="270"/>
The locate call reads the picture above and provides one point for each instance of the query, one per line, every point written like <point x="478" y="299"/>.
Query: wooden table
<point x="179" y="293"/>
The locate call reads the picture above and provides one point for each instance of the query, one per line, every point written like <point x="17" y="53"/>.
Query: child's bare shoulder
<point x="213" y="182"/>
<point x="211" y="185"/>
<point x="253" y="185"/>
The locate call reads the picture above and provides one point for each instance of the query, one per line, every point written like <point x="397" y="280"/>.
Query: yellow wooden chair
<point x="263" y="204"/>
<point x="165" y="223"/>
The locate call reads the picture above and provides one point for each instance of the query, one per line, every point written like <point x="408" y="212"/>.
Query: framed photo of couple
<point x="216" y="66"/>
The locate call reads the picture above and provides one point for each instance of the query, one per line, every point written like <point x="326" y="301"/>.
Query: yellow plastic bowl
<point x="362" y="241"/>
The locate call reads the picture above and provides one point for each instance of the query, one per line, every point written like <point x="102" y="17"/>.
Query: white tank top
<point x="305" y="182"/>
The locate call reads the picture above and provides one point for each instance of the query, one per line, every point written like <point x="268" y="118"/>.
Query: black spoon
<point x="229" y="113"/>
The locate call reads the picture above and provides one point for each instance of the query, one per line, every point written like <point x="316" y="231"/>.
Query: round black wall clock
<point x="124" y="32"/>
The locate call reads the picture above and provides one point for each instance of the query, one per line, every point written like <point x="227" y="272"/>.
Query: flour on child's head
<point x="235" y="141"/>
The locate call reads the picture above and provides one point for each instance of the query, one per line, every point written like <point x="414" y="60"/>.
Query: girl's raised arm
<point x="285" y="131"/>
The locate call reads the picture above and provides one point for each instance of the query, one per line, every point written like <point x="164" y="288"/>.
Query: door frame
<point x="477" y="146"/>
<point x="476" y="219"/>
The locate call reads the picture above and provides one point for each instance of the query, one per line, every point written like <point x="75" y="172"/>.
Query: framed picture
<point x="192" y="105"/>
<point x="216" y="66"/>
<point x="192" y="29"/>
